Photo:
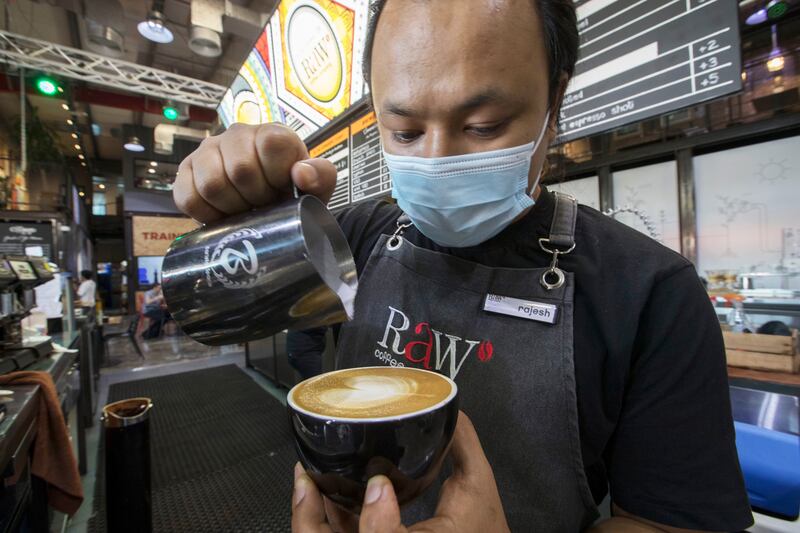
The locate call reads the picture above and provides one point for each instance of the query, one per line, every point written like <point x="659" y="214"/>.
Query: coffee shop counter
<point x="22" y="498"/>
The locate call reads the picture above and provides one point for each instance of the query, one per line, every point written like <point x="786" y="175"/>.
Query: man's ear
<point x="563" y="82"/>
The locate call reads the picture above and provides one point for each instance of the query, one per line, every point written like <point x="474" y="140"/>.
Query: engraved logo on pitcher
<point x="233" y="262"/>
<point x="233" y="259"/>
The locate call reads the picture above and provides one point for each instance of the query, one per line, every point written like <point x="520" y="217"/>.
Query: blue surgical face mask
<point x="464" y="200"/>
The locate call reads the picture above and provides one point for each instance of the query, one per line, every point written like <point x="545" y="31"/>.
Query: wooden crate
<point x="763" y="352"/>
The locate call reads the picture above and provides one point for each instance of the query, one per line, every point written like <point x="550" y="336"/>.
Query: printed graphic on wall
<point x="305" y="69"/>
<point x="646" y="199"/>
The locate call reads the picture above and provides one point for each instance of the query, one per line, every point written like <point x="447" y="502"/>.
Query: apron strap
<point x="561" y="240"/>
<point x="562" y="229"/>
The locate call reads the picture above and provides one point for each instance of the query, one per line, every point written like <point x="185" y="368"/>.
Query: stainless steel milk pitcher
<point x="252" y="275"/>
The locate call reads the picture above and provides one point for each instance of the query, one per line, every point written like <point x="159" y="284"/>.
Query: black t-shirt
<point x="652" y="387"/>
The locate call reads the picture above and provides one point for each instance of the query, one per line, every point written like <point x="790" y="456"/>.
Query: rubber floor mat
<point x="221" y="453"/>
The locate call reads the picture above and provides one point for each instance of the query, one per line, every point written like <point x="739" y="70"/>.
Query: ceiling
<point x="64" y="22"/>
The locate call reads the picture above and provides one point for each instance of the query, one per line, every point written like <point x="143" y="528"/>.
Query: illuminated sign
<point x="305" y="69"/>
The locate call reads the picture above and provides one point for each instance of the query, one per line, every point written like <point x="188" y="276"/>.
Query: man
<point x="587" y="355"/>
<point x="86" y="290"/>
<point x="155" y="309"/>
<point x="305" y="349"/>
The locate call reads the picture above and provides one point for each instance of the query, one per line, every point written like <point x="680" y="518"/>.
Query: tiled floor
<point x="167" y="355"/>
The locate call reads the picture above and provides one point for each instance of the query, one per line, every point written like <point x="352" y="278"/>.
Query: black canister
<point x="126" y="425"/>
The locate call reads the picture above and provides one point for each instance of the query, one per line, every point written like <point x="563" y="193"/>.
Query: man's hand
<point x="246" y="167"/>
<point x="469" y="500"/>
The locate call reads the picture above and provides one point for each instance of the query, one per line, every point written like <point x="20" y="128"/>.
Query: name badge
<point x="537" y="311"/>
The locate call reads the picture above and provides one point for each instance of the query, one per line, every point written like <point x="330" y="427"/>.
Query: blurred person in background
<point x="155" y="308"/>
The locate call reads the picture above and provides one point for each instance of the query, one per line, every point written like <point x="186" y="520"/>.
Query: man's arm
<point x="624" y="522"/>
<point x="672" y="459"/>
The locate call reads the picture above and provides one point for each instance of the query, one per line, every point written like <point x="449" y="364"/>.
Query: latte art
<point x="373" y="392"/>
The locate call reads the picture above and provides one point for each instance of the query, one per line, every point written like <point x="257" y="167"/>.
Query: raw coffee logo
<point x="234" y="262"/>
<point x="427" y="346"/>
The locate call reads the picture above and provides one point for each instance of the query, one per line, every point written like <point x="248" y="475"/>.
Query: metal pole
<point x="23" y="134"/>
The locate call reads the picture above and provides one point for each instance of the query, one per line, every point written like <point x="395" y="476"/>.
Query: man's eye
<point x="486" y="131"/>
<point x="405" y="137"/>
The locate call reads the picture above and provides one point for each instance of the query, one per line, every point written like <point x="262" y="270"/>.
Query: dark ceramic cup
<point x="341" y="453"/>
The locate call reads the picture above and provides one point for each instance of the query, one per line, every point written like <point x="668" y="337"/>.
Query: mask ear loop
<point x="536" y="147"/>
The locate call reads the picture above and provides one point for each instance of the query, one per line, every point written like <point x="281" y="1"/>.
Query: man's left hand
<point x="469" y="501"/>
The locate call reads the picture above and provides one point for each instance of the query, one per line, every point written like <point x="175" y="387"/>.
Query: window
<point x="748" y="211"/>
<point x="585" y="190"/>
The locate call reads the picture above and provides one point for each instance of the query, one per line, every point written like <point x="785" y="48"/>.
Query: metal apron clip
<point x="396" y="240"/>
<point x="553" y="270"/>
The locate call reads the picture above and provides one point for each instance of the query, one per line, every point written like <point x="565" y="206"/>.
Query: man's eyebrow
<point x="489" y="96"/>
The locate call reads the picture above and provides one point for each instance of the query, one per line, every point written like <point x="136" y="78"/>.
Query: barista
<point x="587" y="355"/>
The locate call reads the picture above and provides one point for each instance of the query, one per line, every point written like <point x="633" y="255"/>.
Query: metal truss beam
<point x="68" y="62"/>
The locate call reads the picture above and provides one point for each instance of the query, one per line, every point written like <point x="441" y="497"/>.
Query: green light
<point x="170" y="113"/>
<point x="46" y="86"/>
<point x="776" y="9"/>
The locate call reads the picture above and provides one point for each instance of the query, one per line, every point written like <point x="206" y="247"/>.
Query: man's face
<point x="452" y="77"/>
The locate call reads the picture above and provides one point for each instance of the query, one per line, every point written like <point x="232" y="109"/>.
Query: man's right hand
<point x="246" y="167"/>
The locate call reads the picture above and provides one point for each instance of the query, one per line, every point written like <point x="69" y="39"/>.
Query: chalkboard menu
<point x="645" y="58"/>
<point x="336" y="149"/>
<point x="370" y="177"/>
<point x="26" y="238"/>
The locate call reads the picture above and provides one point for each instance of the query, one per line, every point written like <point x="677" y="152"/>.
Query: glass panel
<point x="586" y="190"/>
<point x="98" y="203"/>
<point x="158" y="177"/>
<point x="748" y="219"/>
<point x="647" y="200"/>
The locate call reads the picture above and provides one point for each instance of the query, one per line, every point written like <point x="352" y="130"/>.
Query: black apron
<point x="505" y="336"/>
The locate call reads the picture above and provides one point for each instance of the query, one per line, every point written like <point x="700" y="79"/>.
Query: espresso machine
<point x="18" y="278"/>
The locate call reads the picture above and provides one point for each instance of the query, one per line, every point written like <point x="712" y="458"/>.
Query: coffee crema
<point x="373" y="392"/>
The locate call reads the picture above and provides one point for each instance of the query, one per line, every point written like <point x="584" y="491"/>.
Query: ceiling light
<point x="83" y="164"/>
<point x="65" y="107"/>
<point x="69" y="121"/>
<point x="153" y="164"/>
<point x="77" y="146"/>
<point x="60" y="89"/>
<point x="101" y="186"/>
<point x="81" y="156"/>
<point x="82" y="194"/>
<point x="133" y="145"/>
<point x="151" y="170"/>
<point x="775" y="61"/>
<point x="775" y="64"/>
<point x="154" y="29"/>
<point x="74" y="135"/>
<point x="47" y="86"/>
<point x="776" y="9"/>
<point x="757" y="17"/>
<point x="170" y="112"/>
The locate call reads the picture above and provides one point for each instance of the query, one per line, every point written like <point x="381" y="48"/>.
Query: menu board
<point x="17" y="237"/>
<point x="356" y="153"/>
<point x="305" y="68"/>
<point x="646" y="58"/>
<point x="370" y="178"/>
<point x="336" y="149"/>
